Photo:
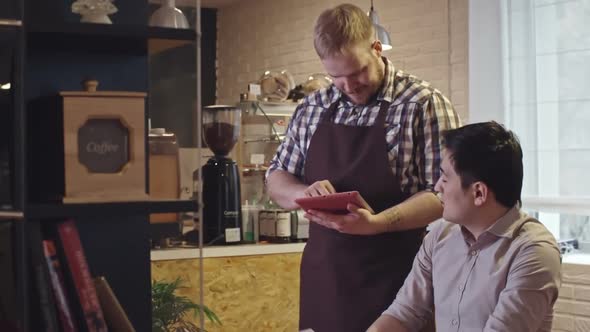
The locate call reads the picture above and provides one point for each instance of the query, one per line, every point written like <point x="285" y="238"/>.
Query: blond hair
<point x="340" y="27"/>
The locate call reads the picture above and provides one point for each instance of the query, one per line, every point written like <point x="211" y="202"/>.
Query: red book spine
<point x="84" y="285"/>
<point x="57" y="284"/>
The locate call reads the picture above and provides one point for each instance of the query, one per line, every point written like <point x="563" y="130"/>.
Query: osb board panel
<point x="248" y="293"/>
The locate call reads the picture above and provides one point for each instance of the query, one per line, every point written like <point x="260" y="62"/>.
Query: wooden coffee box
<point x="104" y="145"/>
<point x="98" y="139"/>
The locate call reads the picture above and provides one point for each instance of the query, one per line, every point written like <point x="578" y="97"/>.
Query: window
<point x="547" y="66"/>
<point x="544" y="47"/>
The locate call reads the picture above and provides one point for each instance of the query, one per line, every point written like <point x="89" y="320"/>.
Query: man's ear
<point x="481" y="193"/>
<point x="377" y="47"/>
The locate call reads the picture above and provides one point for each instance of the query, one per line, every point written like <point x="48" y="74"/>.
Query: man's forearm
<point x="387" y="323"/>
<point x="415" y="212"/>
<point x="283" y="188"/>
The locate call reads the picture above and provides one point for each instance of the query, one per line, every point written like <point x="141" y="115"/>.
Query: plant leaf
<point x="169" y="309"/>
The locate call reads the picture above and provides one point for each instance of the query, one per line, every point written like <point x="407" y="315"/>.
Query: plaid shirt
<point x="417" y="115"/>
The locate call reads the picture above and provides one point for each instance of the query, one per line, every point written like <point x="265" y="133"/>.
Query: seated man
<point x="488" y="266"/>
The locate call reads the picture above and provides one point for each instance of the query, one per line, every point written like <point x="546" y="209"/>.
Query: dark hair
<point x="490" y="153"/>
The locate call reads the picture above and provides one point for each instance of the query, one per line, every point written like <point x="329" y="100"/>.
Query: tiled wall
<point x="429" y="39"/>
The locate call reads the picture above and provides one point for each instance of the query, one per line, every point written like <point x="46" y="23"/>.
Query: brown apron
<point x="347" y="281"/>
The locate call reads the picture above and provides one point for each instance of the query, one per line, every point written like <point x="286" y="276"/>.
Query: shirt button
<point x="474" y="253"/>
<point x="454" y="322"/>
<point x="460" y="287"/>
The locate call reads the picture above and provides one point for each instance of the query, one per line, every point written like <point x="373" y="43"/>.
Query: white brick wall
<point x="572" y="309"/>
<point x="459" y="56"/>
<point x="429" y="37"/>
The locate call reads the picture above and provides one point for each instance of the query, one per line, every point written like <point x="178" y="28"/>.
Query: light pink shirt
<point x="505" y="281"/>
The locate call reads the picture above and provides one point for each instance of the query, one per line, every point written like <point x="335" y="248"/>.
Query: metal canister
<point x="164" y="172"/>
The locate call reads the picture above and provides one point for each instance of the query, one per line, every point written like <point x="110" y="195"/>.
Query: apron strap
<point x="380" y="121"/>
<point x="331" y="112"/>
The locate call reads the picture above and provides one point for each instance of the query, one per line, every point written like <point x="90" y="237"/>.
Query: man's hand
<point x="319" y="188"/>
<point x="358" y="221"/>
<point x="284" y="188"/>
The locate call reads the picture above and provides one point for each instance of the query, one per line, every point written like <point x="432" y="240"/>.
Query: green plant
<point x="169" y="310"/>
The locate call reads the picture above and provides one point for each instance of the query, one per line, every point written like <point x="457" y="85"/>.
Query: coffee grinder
<point x="222" y="213"/>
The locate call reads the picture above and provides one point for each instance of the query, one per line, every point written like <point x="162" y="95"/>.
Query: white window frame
<point x="486" y="73"/>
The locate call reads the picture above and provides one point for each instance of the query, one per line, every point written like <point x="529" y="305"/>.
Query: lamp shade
<point x="383" y="36"/>
<point x="380" y="33"/>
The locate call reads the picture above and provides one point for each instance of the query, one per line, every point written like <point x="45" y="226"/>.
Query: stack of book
<point x="69" y="298"/>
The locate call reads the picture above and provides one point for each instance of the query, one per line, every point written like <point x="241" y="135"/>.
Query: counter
<point x="256" y="287"/>
<point x="250" y="287"/>
<point x="226" y="251"/>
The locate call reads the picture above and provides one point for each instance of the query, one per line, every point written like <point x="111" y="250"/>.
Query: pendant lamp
<point x="380" y="33"/>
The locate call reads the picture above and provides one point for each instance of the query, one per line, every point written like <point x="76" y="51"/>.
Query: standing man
<point x="488" y="266"/>
<point x="375" y="130"/>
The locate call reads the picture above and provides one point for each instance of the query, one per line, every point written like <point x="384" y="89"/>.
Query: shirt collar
<point x="386" y="91"/>
<point x="505" y="226"/>
<point x="508" y="223"/>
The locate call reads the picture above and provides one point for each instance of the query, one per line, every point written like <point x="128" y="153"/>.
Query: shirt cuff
<point x="273" y="167"/>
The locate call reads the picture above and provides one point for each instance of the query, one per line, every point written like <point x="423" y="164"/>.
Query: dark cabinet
<point x="10" y="10"/>
<point x="48" y="52"/>
<point x="8" y="86"/>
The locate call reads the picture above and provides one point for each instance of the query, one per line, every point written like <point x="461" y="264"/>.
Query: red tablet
<point x="334" y="203"/>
